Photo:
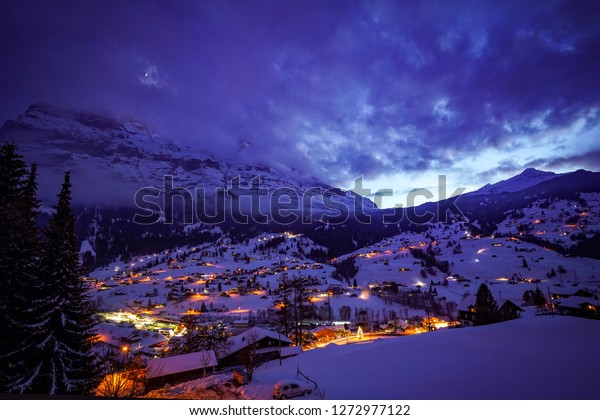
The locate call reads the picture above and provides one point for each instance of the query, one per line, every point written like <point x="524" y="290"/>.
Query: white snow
<point x="528" y="358"/>
<point x="86" y="246"/>
<point x="181" y="363"/>
<point x="528" y="178"/>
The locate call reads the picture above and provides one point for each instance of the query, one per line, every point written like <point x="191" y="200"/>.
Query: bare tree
<point x="125" y="375"/>
<point x="248" y="354"/>
<point x="205" y="357"/>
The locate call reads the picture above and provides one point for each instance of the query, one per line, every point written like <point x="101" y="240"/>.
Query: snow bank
<point x="529" y="358"/>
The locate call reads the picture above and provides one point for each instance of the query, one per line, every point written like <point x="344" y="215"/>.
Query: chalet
<point x="585" y="293"/>
<point x="467" y="310"/>
<point x="266" y="344"/>
<point x="324" y="334"/>
<point x="584" y="307"/>
<point x="116" y="339"/>
<point x="509" y="310"/>
<point x="181" y="368"/>
<point x="560" y="295"/>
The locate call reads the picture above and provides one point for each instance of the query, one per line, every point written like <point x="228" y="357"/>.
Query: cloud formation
<point x="335" y="89"/>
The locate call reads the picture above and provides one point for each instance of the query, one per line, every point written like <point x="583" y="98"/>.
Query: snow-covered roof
<point x="181" y="363"/>
<point x="576" y="301"/>
<point x="116" y="336"/>
<point x="323" y="328"/>
<point x="255" y="333"/>
<point x="466" y="302"/>
<point x="502" y="302"/>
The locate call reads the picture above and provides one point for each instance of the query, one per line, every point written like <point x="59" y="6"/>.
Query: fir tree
<point x="486" y="306"/>
<point x="68" y="365"/>
<point x="538" y="298"/>
<point x="21" y="320"/>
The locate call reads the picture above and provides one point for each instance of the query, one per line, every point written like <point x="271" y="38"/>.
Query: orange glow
<point x="239" y="311"/>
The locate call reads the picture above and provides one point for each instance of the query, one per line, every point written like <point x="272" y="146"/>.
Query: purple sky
<point x="395" y="91"/>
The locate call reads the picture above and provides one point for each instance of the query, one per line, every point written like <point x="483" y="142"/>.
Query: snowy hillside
<point x="528" y="358"/>
<point x="233" y="282"/>
<point x="562" y="222"/>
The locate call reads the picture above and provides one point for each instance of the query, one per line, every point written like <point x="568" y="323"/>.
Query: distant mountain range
<point x="111" y="158"/>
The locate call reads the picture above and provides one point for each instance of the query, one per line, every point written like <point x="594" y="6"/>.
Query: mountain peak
<point x="528" y="178"/>
<point x="535" y="172"/>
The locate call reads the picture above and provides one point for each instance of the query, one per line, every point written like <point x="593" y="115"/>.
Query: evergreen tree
<point x="528" y="298"/>
<point x="21" y="322"/>
<point x="68" y="365"/>
<point x="486" y="307"/>
<point x="538" y="298"/>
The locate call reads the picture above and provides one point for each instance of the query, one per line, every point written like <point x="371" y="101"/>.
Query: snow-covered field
<point x="529" y="358"/>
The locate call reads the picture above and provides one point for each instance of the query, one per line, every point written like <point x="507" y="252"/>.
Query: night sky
<point x="395" y="91"/>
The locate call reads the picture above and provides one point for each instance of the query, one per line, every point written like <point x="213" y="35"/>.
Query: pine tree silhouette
<point x="486" y="306"/>
<point x="68" y="365"/>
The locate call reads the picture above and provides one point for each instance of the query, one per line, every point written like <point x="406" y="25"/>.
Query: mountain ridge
<point x="110" y="159"/>
<point x="127" y="151"/>
<point x="527" y="178"/>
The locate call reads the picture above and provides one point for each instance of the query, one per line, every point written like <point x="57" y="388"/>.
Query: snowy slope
<point x="528" y="358"/>
<point x="528" y="178"/>
<point x="562" y="222"/>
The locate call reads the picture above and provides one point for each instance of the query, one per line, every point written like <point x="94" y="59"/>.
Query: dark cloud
<point x="334" y="89"/>
<point x="505" y="167"/>
<point x="590" y="160"/>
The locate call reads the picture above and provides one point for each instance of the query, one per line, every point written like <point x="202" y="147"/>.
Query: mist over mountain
<point x="113" y="157"/>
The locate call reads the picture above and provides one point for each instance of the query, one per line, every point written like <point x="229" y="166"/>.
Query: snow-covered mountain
<point x="528" y="178"/>
<point x="113" y="157"/>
